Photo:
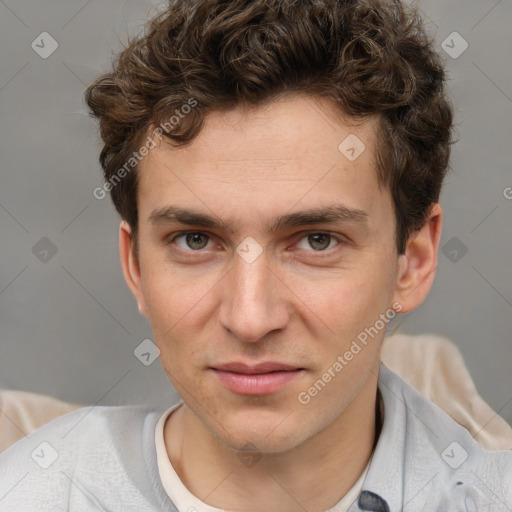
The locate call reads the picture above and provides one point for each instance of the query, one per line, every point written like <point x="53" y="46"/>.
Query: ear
<point x="130" y="265"/>
<point x="417" y="266"/>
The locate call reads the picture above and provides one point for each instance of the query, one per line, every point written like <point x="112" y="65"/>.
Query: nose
<point x="253" y="300"/>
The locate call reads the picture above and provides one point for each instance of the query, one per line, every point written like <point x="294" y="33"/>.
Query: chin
<point x="263" y="434"/>
<point x="261" y="444"/>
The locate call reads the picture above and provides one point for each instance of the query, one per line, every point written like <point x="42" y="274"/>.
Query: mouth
<point x="261" y="379"/>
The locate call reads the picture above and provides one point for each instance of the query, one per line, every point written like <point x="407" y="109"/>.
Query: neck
<point x="313" y="476"/>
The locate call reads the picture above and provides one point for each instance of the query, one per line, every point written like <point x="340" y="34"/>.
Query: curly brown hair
<point x="369" y="57"/>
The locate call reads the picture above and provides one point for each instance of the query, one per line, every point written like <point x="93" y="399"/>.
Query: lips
<point x="255" y="380"/>
<point x="266" y="367"/>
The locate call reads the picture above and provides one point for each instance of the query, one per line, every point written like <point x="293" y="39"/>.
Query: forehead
<point x="295" y="151"/>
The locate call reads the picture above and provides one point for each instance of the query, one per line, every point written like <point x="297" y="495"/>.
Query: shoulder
<point x="433" y="365"/>
<point x="424" y="457"/>
<point x="79" y="427"/>
<point x="417" y="418"/>
<point x="76" y="454"/>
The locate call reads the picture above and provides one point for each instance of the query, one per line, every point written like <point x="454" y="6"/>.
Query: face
<point x="261" y="242"/>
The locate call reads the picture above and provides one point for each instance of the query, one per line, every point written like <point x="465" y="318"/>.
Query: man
<point x="277" y="167"/>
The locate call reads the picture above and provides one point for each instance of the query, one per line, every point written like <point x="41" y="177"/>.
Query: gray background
<point x="69" y="326"/>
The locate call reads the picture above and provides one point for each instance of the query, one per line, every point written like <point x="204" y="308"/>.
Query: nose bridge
<point x="252" y="305"/>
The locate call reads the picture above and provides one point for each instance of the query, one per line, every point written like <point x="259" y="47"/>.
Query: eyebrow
<point x="323" y="215"/>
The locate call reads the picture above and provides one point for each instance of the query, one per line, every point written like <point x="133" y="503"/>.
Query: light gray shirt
<point x="104" y="459"/>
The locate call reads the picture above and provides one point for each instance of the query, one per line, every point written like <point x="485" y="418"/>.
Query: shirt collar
<point x="382" y="488"/>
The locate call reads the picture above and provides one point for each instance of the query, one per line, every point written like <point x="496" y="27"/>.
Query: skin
<point x="297" y="303"/>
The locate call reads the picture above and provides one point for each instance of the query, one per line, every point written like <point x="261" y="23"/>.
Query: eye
<point x="318" y="242"/>
<point x="192" y="241"/>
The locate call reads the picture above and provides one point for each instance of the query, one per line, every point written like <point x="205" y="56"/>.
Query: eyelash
<point x="339" y="240"/>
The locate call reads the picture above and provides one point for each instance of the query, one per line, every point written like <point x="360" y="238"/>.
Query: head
<point x="277" y="166"/>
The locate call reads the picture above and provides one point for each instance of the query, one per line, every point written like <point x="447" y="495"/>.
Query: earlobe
<point x="130" y="266"/>
<point x="418" y="264"/>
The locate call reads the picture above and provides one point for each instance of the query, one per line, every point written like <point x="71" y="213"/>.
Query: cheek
<point x="345" y="308"/>
<point x="346" y="298"/>
<point x="173" y="294"/>
<point x="180" y="305"/>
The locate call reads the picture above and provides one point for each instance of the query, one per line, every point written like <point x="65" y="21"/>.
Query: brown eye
<point x="192" y="241"/>
<point x="196" y="241"/>
<point x="319" y="241"/>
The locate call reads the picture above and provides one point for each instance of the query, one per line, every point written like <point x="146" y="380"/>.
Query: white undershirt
<point x="185" y="501"/>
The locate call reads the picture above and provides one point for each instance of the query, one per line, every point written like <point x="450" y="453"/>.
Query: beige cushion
<point x="431" y="364"/>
